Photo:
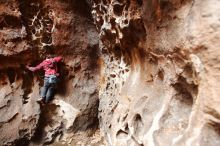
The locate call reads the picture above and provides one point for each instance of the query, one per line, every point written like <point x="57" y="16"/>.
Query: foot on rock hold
<point x="39" y="100"/>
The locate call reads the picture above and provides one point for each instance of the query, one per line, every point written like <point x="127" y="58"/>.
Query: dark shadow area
<point x="22" y="142"/>
<point x="11" y="75"/>
<point x="140" y="3"/>
<point x="134" y="33"/>
<point x="81" y="8"/>
<point x="93" y="53"/>
<point x="9" y="21"/>
<point x="47" y="112"/>
<point x="186" y="90"/>
<point x="17" y="59"/>
<point x="27" y="84"/>
<point x="118" y="9"/>
<point x="155" y="12"/>
<point x="63" y="79"/>
<point x="89" y="118"/>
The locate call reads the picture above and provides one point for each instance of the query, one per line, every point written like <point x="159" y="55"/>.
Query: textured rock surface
<point x="28" y="31"/>
<point x="156" y="62"/>
<point x="160" y="71"/>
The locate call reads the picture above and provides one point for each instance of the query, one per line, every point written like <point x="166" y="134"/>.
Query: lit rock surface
<point x="135" y="72"/>
<point x="160" y="72"/>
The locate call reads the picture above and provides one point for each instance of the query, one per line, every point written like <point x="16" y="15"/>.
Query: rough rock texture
<point x="160" y="71"/>
<point x="141" y="72"/>
<point x="28" y="31"/>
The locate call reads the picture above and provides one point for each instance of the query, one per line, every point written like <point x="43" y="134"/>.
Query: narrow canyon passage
<point x="135" y="72"/>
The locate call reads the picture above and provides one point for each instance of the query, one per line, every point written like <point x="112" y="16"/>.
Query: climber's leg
<point x="44" y="89"/>
<point x="50" y="93"/>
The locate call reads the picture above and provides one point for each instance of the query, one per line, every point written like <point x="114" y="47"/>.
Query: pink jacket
<point x="49" y="66"/>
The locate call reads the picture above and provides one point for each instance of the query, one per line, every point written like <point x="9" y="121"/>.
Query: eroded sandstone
<point x="136" y="72"/>
<point x="163" y="96"/>
<point x="29" y="31"/>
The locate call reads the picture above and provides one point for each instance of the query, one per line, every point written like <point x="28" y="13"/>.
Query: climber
<point x="50" y="78"/>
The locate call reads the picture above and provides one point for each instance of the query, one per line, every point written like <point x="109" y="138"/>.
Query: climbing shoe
<point x="40" y="99"/>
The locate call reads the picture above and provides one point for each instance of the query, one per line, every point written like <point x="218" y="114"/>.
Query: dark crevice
<point x="121" y="134"/>
<point x="27" y="84"/>
<point x="44" y="119"/>
<point x="11" y="75"/>
<point x="186" y="90"/>
<point x="93" y="53"/>
<point x="63" y="79"/>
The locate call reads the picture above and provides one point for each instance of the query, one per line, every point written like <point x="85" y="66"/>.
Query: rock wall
<point x="135" y="72"/>
<point x="159" y="72"/>
<point x="29" y="30"/>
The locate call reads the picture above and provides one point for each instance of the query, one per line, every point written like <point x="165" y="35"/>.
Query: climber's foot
<point x="39" y="100"/>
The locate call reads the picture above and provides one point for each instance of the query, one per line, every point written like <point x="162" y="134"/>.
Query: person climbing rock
<point x="49" y="65"/>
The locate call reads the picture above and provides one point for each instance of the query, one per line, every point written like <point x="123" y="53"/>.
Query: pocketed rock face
<point x="12" y="32"/>
<point x="28" y="31"/>
<point x="18" y="109"/>
<point x="160" y="72"/>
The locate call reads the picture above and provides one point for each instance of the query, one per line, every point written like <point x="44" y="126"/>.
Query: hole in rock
<point x="117" y="52"/>
<point x="118" y="9"/>
<point x="121" y="134"/>
<point x="77" y="67"/>
<point x="126" y="21"/>
<point x="126" y="128"/>
<point x="137" y="118"/>
<point x="46" y="39"/>
<point x="22" y="142"/>
<point x="138" y="123"/>
<point x="113" y="75"/>
<point x="107" y="86"/>
<point x="112" y="21"/>
<point x="9" y="21"/>
<point x="140" y="2"/>
<point x="185" y="90"/>
<point x="161" y="74"/>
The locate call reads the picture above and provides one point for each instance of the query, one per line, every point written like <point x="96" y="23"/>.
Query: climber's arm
<point x="38" y="67"/>
<point x="58" y="59"/>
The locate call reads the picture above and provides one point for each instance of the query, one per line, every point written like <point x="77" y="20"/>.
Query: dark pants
<point x="48" y="90"/>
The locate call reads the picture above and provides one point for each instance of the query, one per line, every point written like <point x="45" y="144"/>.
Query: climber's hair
<point x="48" y="56"/>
